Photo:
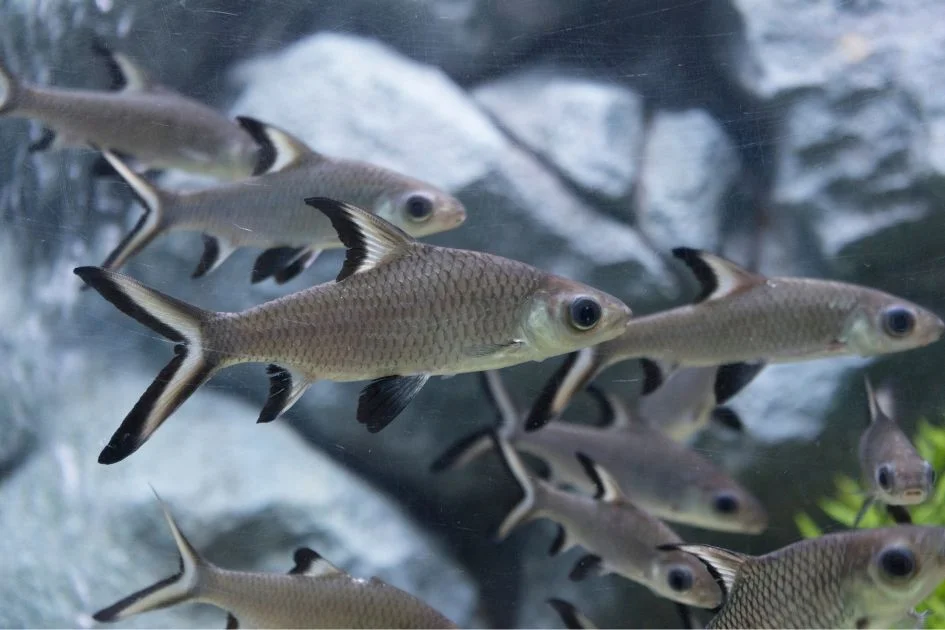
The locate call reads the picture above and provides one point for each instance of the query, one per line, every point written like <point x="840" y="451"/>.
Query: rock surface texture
<point x="588" y="138"/>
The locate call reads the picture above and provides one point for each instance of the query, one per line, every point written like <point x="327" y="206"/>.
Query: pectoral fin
<point x="384" y="399"/>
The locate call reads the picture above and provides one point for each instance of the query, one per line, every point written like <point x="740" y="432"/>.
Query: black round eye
<point x="726" y="504"/>
<point x="419" y="208"/>
<point x="679" y="579"/>
<point x="884" y="477"/>
<point x="898" y="321"/>
<point x="897" y="562"/>
<point x="585" y="313"/>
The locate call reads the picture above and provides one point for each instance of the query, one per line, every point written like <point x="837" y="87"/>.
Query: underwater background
<point x="586" y="137"/>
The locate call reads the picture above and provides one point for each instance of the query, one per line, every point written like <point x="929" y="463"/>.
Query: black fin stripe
<point x="113" y="611"/>
<point x="713" y="571"/>
<point x="129" y="237"/>
<point x="584" y="567"/>
<point x="457" y="450"/>
<point x="304" y="558"/>
<point x="588" y="465"/>
<point x="232" y="623"/>
<point x="349" y="233"/>
<point x="728" y="418"/>
<point x="652" y="376"/>
<point x="267" y="150"/>
<point x="732" y="378"/>
<point x="558" y="543"/>
<point x="272" y="260"/>
<point x="384" y="398"/>
<point x="700" y="269"/>
<point x="899" y="514"/>
<point x="211" y="253"/>
<point x="280" y="389"/>
<point x="110" y="290"/>
<point x="567" y="612"/>
<point x="118" y="78"/>
<point x="294" y="268"/>
<point x="44" y="142"/>
<point x="607" y="412"/>
<point x="540" y="413"/>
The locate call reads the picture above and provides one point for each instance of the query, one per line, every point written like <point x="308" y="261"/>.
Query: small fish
<point x="683" y="404"/>
<point x="868" y="578"/>
<point x="571" y="617"/>
<point x="267" y="211"/>
<point x="139" y="118"/>
<point x="659" y="475"/>
<point x="618" y="536"/>
<point x="314" y="594"/>
<point x="893" y="471"/>
<point x="399" y="312"/>
<point x="743" y="316"/>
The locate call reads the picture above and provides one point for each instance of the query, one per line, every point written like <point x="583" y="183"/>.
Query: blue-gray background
<point x="588" y="137"/>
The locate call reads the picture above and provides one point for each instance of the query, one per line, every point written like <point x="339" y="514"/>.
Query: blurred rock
<point x="689" y="166"/>
<point x="861" y="144"/>
<point x="589" y="130"/>
<point x="246" y="495"/>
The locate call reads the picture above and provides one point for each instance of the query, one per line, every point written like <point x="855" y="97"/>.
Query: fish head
<point x="884" y="323"/>
<point x="892" y="569"/>
<point x="421" y="210"/>
<point x="905" y="480"/>
<point x="720" y="503"/>
<point x="563" y="316"/>
<point x="683" y="578"/>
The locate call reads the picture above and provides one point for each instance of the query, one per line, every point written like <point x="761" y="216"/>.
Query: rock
<point x="589" y="130"/>
<point x="689" y="168"/>
<point x="246" y="495"/>
<point x="861" y="151"/>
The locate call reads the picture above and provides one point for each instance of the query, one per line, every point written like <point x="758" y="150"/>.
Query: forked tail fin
<point x="188" y="370"/>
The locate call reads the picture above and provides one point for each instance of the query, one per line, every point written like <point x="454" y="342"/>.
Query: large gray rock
<point x="246" y="495"/>
<point x="689" y="167"/>
<point x="861" y="151"/>
<point x="589" y="130"/>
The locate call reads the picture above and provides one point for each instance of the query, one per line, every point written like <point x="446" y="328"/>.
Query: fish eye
<point x="884" y="477"/>
<point x="419" y="208"/>
<point x="726" y="504"/>
<point x="679" y="579"/>
<point x="898" y="321"/>
<point x="585" y="313"/>
<point x="897" y="562"/>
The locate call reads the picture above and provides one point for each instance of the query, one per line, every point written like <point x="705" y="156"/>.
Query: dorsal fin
<point x="721" y="563"/>
<point x="608" y="490"/>
<point x="718" y="277"/>
<point x="309" y="562"/>
<point x="616" y="414"/>
<point x="278" y="149"/>
<point x="370" y="240"/>
<point x="653" y="375"/>
<point x="126" y="75"/>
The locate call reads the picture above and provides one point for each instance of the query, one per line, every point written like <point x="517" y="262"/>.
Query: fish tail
<point x="527" y="508"/>
<point x="191" y="366"/>
<point x="9" y="86"/>
<point x="152" y="222"/>
<point x="579" y="369"/>
<point x="180" y="587"/>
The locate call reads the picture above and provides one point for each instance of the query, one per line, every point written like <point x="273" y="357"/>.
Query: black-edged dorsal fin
<point x="721" y="563"/>
<point x="126" y="75"/>
<point x="718" y="276"/>
<point x="370" y="240"/>
<point x="278" y="149"/>
<point x="653" y="375"/>
<point x="616" y="414"/>
<point x="309" y="562"/>
<point x="608" y="490"/>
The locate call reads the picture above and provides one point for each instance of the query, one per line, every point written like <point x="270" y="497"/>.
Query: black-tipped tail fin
<point x="188" y="370"/>
<point x="575" y="373"/>
<point x="571" y="617"/>
<point x="178" y="588"/>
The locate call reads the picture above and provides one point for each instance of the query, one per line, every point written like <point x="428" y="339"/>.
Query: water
<point x="586" y="138"/>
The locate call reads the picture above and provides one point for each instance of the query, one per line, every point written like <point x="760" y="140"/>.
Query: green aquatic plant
<point x="844" y="506"/>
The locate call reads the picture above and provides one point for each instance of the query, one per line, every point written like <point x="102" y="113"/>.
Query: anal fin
<point x="297" y="266"/>
<point x="231" y="622"/>
<point x="384" y="399"/>
<point x="215" y="251"/>
<point x="286" y="386"/>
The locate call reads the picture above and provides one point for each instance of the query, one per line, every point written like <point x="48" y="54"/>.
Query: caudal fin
<point x="575" y="373"/>
<point x="178" y="588"/>
<point x="9" y="86"/>
<point x="188" y="370"/>
<point x="151" y="223"/>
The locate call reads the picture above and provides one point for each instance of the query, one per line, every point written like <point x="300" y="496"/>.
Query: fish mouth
<point x="911" y="497"/>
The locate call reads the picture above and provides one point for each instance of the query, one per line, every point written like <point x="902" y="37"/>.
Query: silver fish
<point x="314" y="594"/>
<point x="267" y="211"/>
<point x="868" y="578"/>
<point x="659" y="475"/>
<point x="744" y="316"/>
<point x="399" y="312"/>
<point x="892" y="470"/>
<point x="140" y="118"/>
<point x="618" y="536"/>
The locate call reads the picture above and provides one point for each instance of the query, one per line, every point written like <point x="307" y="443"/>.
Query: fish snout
<point x="913" y="496"/>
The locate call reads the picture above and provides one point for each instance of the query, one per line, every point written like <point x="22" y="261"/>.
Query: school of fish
<point x="401" y="311"/>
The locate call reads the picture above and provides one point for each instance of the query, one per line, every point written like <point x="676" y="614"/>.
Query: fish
<point x="267" y="211"/>
<point x="314" y="594"/>
<point x="892" y="470"/>
<point x="139" y="118"/>
<point x="688" y="399"/>
<point x="571" y="617"/>
<point x="617" y="536"/>
<point x="656" y="473"/>
<point x="867" y="578"/>
<point x="741" y="316"/>
<point x="399" y="312"/>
